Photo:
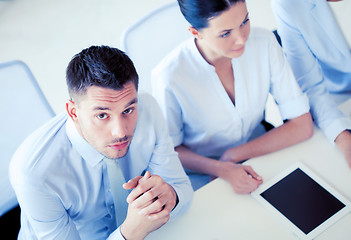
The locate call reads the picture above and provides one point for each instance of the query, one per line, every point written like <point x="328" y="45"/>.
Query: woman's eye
<point x="246" y="21"/>
<point x="225" y="35"/>
<point x="102" y="116"/>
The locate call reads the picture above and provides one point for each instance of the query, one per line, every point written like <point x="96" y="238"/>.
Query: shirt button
<point x="111" y="206"/>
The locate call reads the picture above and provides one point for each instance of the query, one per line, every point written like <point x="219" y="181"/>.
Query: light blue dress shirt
<point x="319" y="56"/>
<point x="197" y="108"/>
<point x="61" y="181"/>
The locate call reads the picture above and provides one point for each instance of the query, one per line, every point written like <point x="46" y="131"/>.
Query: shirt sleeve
<point x="45" y="212"/>
<point x="169" y="104"/>
<point x="291" y="101"/>
<point x="309" y="74"/>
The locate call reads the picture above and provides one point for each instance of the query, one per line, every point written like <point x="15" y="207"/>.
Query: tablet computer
<point x="302" y="201"/>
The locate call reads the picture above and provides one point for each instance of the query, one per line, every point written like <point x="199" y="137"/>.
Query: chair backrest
<point x="148" y="40"/>
<point x="23" y="108"/>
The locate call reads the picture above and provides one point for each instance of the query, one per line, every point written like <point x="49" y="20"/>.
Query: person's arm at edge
<point x="343" y="141"/>
<point x="326" y="115"/>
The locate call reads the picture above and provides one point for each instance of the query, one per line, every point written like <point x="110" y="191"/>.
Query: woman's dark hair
<point x="100" y="66"/>
<point x="199" y="12"/>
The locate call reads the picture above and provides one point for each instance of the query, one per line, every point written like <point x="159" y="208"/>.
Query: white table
<point x="219" y="213"/>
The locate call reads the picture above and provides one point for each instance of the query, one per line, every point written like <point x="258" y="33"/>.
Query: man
<point x="321" y="61"/>
<point x="61" y="172"/>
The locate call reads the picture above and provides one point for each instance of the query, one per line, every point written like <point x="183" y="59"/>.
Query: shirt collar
<point x="88" y="152"/>
<point x="197" y="55"/>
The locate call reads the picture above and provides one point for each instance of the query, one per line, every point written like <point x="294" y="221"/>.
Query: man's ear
<point x="194" y="32"/>
<point x="71" y="109"/>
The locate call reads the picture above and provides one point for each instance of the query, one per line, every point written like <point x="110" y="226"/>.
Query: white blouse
<point x="197" y="108"/>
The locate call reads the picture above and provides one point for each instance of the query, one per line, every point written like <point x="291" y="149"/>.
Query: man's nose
<point x="119" y="129"/>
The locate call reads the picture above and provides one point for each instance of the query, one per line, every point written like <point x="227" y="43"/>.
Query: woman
<point x="213" y="89"/>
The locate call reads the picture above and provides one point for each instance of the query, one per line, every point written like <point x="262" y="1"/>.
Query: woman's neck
<point x="210" y="56"/>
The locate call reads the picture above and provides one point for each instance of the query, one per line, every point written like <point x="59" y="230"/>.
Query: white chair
<point x="23" y="109"/>
<point x="148" y="40"/>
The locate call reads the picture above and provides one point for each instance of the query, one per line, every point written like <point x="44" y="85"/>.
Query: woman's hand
<point x="243" y="179"/>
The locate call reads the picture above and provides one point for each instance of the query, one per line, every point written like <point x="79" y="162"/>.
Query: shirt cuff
<point x="116" y="235"/>
<point x="336" y="127"/>
<point x="295" y="107"/>
<point x="177" y="139"/>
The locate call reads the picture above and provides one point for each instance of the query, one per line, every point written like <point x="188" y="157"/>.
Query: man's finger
<point x="141" y="187"/>
<point x="132" y="183"/>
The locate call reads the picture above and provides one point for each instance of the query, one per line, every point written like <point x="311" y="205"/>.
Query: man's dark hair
<point x="100" y="66"/>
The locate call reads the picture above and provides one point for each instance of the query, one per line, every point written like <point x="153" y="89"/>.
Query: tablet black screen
<point x="303" y="201"/>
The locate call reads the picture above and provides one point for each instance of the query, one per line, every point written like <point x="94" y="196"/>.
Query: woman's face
<point x="226" y="33"/>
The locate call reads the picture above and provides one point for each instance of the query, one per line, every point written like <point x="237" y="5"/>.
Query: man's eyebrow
<point x="135" y="100"/>
<point x="98" y="108"/>
<point x="228" y="30"/>
<point x="101" y="108"/>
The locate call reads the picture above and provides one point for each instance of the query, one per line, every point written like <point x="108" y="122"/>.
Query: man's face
<point x="106" y="118"/>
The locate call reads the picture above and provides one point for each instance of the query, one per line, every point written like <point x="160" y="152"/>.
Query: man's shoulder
<point x="148" y="129"/>
<point x="150" y="117"/>
<point x="145" y="98"/>
<point x="31" y="159"/>
<point x="147" y="104"/>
